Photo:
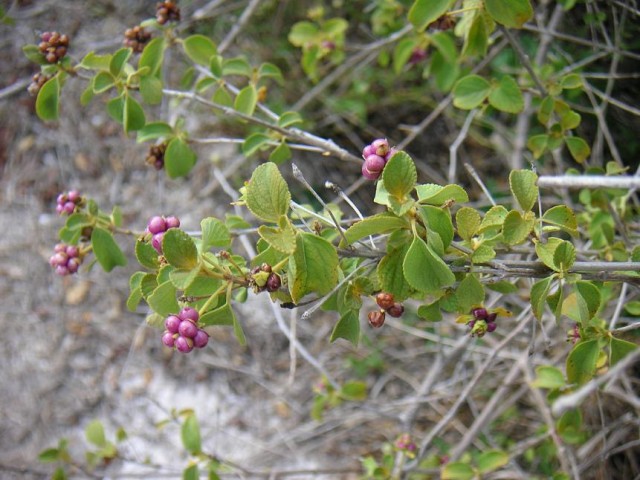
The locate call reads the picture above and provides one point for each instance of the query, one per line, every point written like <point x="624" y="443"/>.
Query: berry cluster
<point x="53" y="46"/>
<point x="444" y="22"/>
<point x="157" y="226"/>
<point x="376" y="155"/>
<point x="264" y="278"/>
<point x="68" y="202"/>
<point x="405" y="444"/>
<point x="66" y="259"/>
<point x="136" y="38"/>
<point x="388" y="305"/>
<point x="155" y="156"/>
<point x="573" y="335"/>
<point x="37" y="81"/>
<point x="182" y="332"/>
<point x="482" y="322"/>
<point x="167" y="11"/>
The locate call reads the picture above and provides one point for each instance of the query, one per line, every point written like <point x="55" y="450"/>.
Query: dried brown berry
<point x="136" y="38"/>
<point x="167" y="11"/>
<point x="396" y="310"/>
<point x="385" y="300"/>
<point x="53" y="46"/>
<point x="376" y="318"/>
<point x="37" y="82"/>
<point x="155" y="157"/>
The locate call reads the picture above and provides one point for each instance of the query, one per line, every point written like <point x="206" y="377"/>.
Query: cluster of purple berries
<point x="53" y="46"/>
<point x="573" y="335"/>
<point x="182" y="332"/>
<point x="68" y="202"/>
<point x="37" y="82"/>
<point x="264" y="278"/>
<point x="66" y="259"/>
<point x="482" y="322"/>
<point x="404" y="443"/>
<point x="157" y="226"/>
<point x="376" y="155"/>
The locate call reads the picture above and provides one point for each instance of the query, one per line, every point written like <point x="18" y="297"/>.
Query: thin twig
<point x="453" y="149"/>
<point x="238" y="25"/>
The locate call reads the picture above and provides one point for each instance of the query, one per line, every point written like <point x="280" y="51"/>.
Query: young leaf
<point x="214" y="234"/>
<point x="246" y="100"/>
<point x="348" y="327"/>
<point x="190" y="434"/>
<point x="179" y="159"/>
<point x="106" y="250"/>
<point x="424" y="270"/>
<point x="523" y="184"/>
<point x="200" y="49"/>
<point x="510" y="13"/>
<point x="313" y="267"/>
<point x="268" y="196"/>
<point x="153" y="55"/>
<point x="469" y="92"/>
<point x="179" y="249"/>
<point x="399" y="176"/>
<point x="424" y="12"/>
<point x="94" y="431"/>
<point x="48" y="100"/>
<point x="506" y="96"/>
<point x="581" y="362"/>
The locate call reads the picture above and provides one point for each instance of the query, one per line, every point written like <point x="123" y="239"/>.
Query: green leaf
<point x="523" y="185"/>
<point x="516" y="228"/>
<point x="548" y="377"/>
<point x="348" y="327"/>
<point x="179" y="249"/>
<point x="506" y="96"/>
<point x="222" y="315"/>
<point x="313" y="267"/>
<point x="270" y="70"/>
<point x="477" y="38"/>
<point x="494" y="218"/>
<point x="424" y="270"/>
<point x="539" y="294"/>
<point x="589" y="299"/>
<point x="214" y="234"/>
<point x="179" y="159"/>
<point x="190" y="434"/>
<point x="200" y="49"/>
<point x="93" y="61"/>
<point x="33" y="54"/>
<point x="254" y="142"/>
<point x="424" y="12"/>
<point x="280" y="154"/>
<point x="469" y="92"/>
<point x="438" y="220"/>
<point x="282" y="239"/>
<point x="571" y="81"/>
<point x="483" y="254"/>
<point x="569" y="426"/>
<point x="562" y="218"/>
<point x="538" y="144"/>
<point x="402" y="52"/>
<point x="354" y="391"/>
<point x="546" y="110"/>
<point x="133" y="118"/>
<point x="102" y="82"/>
<point x="153" y="55"/>
<point x="268" y="196"/>
<point x="151" y="90"/>
<point x="468" y="221"/>
<point x="146" y="255"/>
<point x="564" y="256"/>
<point x="49" y="455"/>
<point x="94" y="432"/>
<point x="302" y="33"/>
<point x="470" y="292"/>
<point x="399" y="176"/>
<point x="288" y="119"/>
<point x="492" y="460"/>
<point x="578" y="148"/>
<point x="106" y="250"/>
<point x="237" y="66"/>
<point x="154" y="130"/>
<point x="510" y="13"/>
<point x="163" y="299"/>
<point x="457" y="471"/>
<point x="546" y="252"/>
<point x="118" y="61"/>
<point x="48" y="100"/>
<point x="59" y="474"/>
<point x="182" y="279"/>
<point x="246" y="100"/>
<point x="222" y="97"/>
<point x="433" y="194"/>
<point x="376" y="224"/>
<point x="618" y="349"/>
<point x="192" y="472"/>
<point x="391" y="274"/>
<point x="581" y="362"/>
<point x="115" y="108"/>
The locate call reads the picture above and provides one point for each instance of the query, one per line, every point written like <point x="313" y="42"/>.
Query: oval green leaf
<point x="106" y="250"/>
<point x="48" y="100"/>
<point x="268" y="195"/>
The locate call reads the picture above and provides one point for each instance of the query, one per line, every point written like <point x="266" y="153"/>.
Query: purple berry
<point x="72" y="251"/>
<point x="368" y="150"/>
<point x="73" y="264"/>
<point x="172" y="222"/>
<point x="184" y="345"/>
<point x="62" y="198"/>
<point x="168" y="339"/>
<point x="69" y="207"/>
<point x="201" y="339"/>
<point x="62" y="270"/>
<point x="471" y="323"/>
<point x="157" y="225"/>
<point x="172" y="323"/>
<point x="491" y="326"/>
<point x="60" y="248"/>
<point x="380" y="146"/>
<point x="372" y="167"/>
<point x="492" y="317"/>
<point x="188" y="313"/>
<point x="396" y="310"/>
<point x="58" y="260"/>
<point x="74" y="196"/>
<point x="273" y="283"/>
<point x="187" y="329"/>
<point x="156" y="242"/>
<point x="59" y="209"/>
<point x="479" y="313"/>
<point x="369" y="175"/>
